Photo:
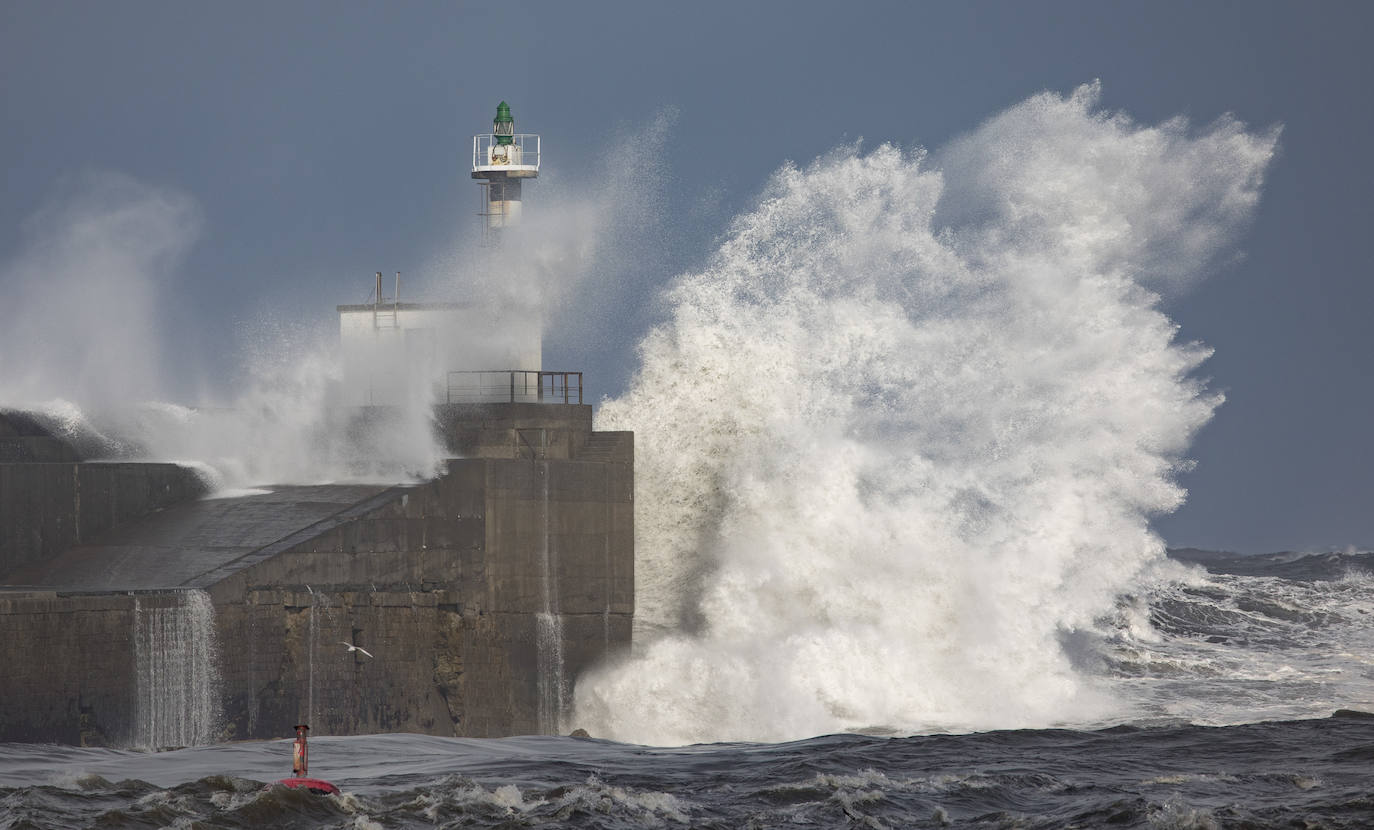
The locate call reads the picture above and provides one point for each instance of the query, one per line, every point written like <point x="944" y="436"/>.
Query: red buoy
<point x="300" y="767"/>
<point x="314" y="785"/>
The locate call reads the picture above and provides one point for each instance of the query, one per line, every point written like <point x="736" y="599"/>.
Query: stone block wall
<point x="68" y="673"/>
<point x="283" y="662"/>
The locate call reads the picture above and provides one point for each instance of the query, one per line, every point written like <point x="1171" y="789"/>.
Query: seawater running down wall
<point x="553" y="685"/>
<point x="178" y="694"/>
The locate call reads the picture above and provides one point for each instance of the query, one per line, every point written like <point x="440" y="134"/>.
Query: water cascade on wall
<point x="553" y="684"/>
<point x="178" y="687"/>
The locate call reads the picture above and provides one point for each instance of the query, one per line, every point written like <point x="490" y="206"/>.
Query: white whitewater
<point x="906" y="429"/>
<point x="178" y="686"/>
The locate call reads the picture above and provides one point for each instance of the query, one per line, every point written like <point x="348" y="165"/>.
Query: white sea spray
<point x="909" y="425"/>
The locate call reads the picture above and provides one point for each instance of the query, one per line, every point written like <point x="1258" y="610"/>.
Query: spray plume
<point x="85" y="345"/>
<point x="906" y="430"/>
<point x="85" y="290"/>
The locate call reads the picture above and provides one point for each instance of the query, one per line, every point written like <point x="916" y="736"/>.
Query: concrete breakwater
<point x="481" y="594"/>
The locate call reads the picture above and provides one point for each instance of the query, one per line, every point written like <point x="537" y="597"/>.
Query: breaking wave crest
<point x="908" y="427"/>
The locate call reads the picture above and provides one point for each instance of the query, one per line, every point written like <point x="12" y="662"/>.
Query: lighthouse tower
<point x="502" y="160"/>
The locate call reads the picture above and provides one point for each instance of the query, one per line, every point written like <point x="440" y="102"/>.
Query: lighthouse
<point x="501" y="161"/>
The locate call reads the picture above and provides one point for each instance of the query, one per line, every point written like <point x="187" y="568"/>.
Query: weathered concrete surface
<point x="46" y="508"/>
<point x="514" y="430"/>
<point x="283" y="662"/>
<point x="560" y="527"/>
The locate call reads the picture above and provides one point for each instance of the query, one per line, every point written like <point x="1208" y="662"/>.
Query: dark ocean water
<point x="1312" y="773"/>
<point x="1229" y="691"/>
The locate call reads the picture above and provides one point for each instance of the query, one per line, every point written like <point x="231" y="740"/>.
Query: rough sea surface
<point x="1312" y="773"/>
<point x="1281" y="641"/>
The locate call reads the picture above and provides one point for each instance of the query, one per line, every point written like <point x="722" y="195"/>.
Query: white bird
<point x="352" y="647"/>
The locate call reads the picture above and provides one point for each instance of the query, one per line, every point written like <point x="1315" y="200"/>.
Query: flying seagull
<point x="352" y="647"/>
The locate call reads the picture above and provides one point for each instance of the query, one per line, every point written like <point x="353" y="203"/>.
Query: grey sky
<point x="324" y="141"/>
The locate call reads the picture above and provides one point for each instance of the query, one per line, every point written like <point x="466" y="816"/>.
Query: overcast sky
<point x="315" y="143"/>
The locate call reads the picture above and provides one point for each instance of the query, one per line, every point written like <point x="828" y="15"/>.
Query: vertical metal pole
<point x="512" y="387"/>
<point x="376" y="301"/>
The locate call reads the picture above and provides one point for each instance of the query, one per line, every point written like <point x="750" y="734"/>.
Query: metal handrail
<point x="525" y="155"/>
<point x="514" y="386"/>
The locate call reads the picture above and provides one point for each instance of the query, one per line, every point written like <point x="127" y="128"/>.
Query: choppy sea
<point x="1280" y="642"/>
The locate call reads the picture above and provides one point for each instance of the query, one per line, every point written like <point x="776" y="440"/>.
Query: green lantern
<point x="504" y="126"/>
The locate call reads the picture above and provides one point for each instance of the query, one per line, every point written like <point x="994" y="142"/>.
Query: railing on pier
<point x="514" y="386"/>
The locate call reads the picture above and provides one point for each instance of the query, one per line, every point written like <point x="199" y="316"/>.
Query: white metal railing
<point x="521" y="154"/>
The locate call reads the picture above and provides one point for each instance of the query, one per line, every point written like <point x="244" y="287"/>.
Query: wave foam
<point x="909" y="425"/>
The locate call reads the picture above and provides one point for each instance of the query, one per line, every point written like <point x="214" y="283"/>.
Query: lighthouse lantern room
<point x="501" y="161"/>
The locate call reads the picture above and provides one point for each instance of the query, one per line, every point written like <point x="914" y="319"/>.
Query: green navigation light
<point x="504" y="126"/>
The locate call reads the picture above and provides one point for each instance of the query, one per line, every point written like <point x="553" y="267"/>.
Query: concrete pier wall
<point x="455" y="586"/>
